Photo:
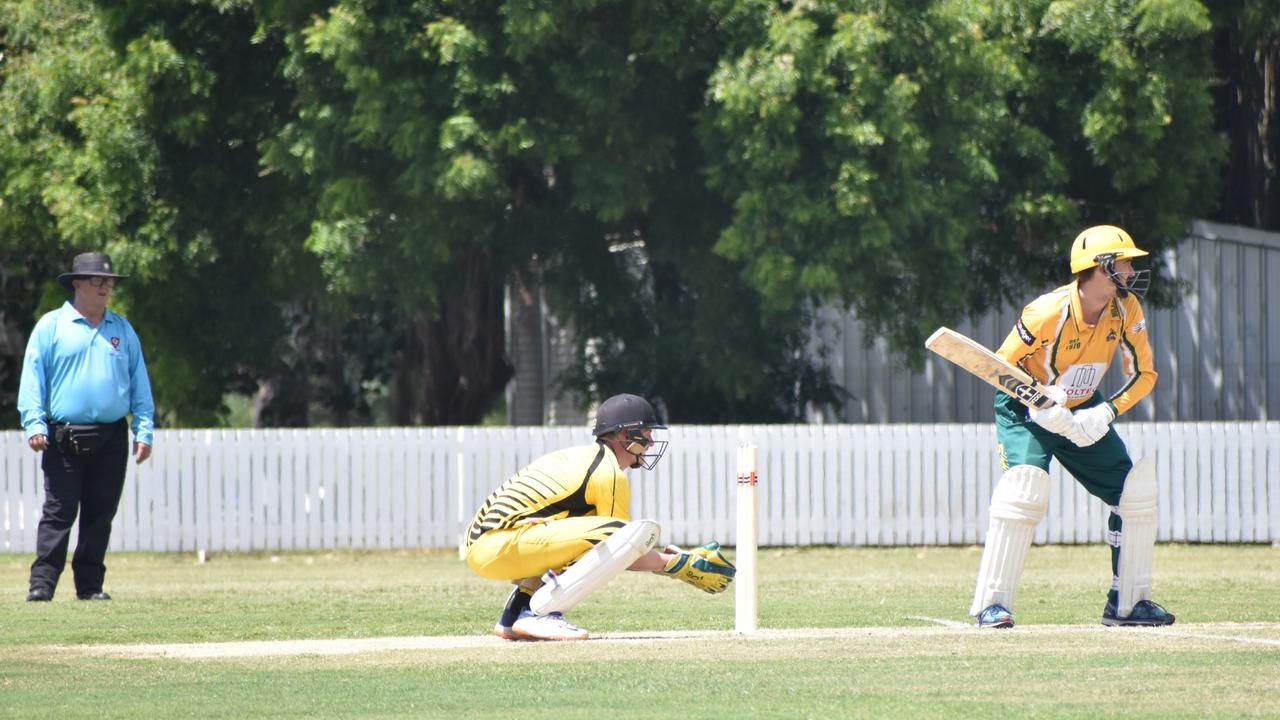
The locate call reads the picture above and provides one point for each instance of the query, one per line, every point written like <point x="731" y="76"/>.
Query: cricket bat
<point x="988" y="366"/>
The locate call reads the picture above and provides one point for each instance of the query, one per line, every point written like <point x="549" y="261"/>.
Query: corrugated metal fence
<point x="904" y="484"/>
<point x="1218" y="353"/>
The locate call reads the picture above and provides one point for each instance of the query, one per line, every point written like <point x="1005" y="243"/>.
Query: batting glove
<point x="1094" y="423"/>
<point x="1056" y="418"/>
<point x="703" y="567"/>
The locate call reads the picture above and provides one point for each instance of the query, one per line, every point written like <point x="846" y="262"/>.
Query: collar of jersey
<point x="1077" y="312"/>
<point x="71" y="314"/>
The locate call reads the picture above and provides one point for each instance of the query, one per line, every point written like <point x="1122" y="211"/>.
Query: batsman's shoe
<point x="551" y="626"/>
<point x="995" y="616"/>
<point x="1145" y="614"/>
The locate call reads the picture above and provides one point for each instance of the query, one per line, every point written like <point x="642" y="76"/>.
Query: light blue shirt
<point x="76" y="373"/>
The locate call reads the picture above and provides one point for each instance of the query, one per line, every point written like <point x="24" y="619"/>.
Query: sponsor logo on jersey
<point x="1142" y="325"/>
<point x="1024" y="333"/>
<point x="1073" y="344"/>
<point x="1081" y="380"/>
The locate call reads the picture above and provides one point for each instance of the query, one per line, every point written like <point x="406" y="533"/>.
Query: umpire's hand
<point x="39" y="443"/>
<point x="141" y="451"/>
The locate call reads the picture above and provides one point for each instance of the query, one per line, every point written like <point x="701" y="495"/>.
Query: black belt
<point x="84" y="438"/>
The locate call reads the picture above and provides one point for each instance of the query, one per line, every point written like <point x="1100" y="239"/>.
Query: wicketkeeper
<point x="561" y="528"/>
<point x="1066" y="340"/>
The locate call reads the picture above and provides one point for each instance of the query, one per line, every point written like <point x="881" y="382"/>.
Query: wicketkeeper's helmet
<point x="1103" y="245"/>
<point x="630" y="415"/>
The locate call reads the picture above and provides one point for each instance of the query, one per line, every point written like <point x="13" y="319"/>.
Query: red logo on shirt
<point x="115" y="343"/>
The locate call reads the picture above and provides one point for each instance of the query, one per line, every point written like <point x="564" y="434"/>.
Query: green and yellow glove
<point x="702" y="567"/>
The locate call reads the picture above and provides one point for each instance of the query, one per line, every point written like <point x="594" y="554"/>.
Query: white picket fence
<point x="907" y="484"/>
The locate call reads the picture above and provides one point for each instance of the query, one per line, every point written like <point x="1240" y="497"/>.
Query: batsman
<point x="561" y="528"/>
<point x="1067" y="339"/>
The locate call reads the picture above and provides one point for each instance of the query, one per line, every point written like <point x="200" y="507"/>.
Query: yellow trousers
<point x="531" y="549"/>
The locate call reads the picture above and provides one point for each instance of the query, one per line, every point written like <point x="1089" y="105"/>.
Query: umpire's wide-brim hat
<point x="90" y="264"/>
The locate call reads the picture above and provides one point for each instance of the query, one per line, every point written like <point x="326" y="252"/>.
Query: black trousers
<point x="91" y="486"/>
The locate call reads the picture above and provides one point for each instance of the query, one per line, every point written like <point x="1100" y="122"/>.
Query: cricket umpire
<point x="82" y="376"/>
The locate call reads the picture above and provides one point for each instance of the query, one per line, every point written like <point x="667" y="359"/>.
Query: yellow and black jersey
<point x="576" y="482"/>
<point x="1053" y="343"/>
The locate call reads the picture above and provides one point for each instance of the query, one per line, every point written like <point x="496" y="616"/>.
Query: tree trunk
<point x="1247" y="107"/>
<point x="453" y="366"/>
<point x="528" y="400"/>
<point x="282" y="400"/>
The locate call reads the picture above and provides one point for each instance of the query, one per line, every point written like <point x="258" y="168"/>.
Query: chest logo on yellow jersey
<point x="1073" y="344"/>
<point x="1111" y="336"/>
<point x="1115" y="310"/>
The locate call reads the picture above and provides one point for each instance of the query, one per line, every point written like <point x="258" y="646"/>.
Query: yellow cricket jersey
<point x="1052" y="342"/>
<point x="576" y="482"/>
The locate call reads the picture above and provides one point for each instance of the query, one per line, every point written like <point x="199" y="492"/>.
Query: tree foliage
<point x="932" y="160"/>
<point x="323" y="201"/>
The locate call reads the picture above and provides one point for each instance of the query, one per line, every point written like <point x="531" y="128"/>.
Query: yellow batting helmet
<point x="1102" y="240"/>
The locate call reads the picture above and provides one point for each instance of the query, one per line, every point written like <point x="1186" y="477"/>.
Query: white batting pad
<point x="1137" y="511"/>
<point x="596" y="568"/>
<point x="1018" y="503"/>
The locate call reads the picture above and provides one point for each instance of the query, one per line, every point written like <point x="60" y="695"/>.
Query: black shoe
<point x="40" y="594"/>
<point x="94" y="596"/>
<point x="1145" y="614"/>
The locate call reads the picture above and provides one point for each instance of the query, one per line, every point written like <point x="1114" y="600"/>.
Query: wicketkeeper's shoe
<point x="551" y="626"/>
<point x="1145" y="614"/>
<point x="995" y="616"/>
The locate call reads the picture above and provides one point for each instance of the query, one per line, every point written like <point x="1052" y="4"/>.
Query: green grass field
<point x="850" y="633"/>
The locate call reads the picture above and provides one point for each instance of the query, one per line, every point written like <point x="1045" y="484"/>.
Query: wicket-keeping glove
<point x="702" y="567"/>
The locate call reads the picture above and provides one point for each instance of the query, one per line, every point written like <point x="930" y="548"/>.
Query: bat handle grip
<point x="1042" y="400"/>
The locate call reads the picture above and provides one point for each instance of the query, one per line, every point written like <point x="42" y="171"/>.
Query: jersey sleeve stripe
<point x="1051" y="355"/>
<point x="1132" y="356"/>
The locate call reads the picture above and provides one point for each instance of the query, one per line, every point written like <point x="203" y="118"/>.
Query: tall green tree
<point x="75" y="165"/>
<point x="930" y="160"/>
<point x="322" y="201"/>
<point x="457" y="146"/>
<point x="1247" y="100"/>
